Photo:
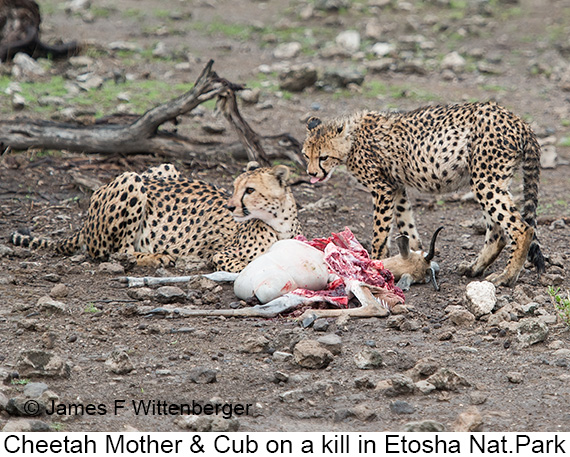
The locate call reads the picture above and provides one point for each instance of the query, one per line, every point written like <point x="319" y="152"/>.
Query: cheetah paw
<point x="501" y="279"/>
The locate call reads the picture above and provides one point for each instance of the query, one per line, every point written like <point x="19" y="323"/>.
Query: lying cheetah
<point x="158" y="216"/>
<point x="439" y="149"/>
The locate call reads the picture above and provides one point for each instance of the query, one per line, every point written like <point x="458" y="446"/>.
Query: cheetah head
<point x="259" y="193"/>
<point x="325" y="148"/>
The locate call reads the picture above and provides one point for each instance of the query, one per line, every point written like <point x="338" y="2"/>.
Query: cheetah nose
<point x="312" y="174"/>
<point x="231" y="208"/>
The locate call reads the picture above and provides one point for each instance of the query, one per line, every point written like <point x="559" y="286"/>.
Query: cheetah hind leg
<point x="495" y="241"/>
<point x="521" y="243"/>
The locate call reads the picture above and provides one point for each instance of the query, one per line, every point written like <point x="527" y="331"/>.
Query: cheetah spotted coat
<point x="439" y="149"/>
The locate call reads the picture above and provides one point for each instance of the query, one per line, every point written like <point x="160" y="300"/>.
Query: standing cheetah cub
<point x="158" y="216"/>
<point x="439" y="149"/>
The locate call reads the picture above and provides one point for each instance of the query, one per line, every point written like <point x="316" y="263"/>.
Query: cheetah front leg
<point x="383" y="213"/>
<point x="405" y="219"/>
<point x="229" y="260"/>
<point x="145" y="259"/>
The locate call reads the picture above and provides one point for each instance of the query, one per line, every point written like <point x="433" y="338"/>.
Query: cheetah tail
<point x="28" y="241"/>
<point x="531" y="178"/>
<point x="67" y="247"/>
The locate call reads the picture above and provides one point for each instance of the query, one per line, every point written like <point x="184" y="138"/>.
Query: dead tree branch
<point x="142" y="135"/>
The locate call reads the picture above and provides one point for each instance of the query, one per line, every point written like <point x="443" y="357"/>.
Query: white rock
<point x="548" y="157"/>
<point x="349" y="40"/>
<point x="287" y="50"/>
<point x="453" y="61"/>
<point x="382" y="49"/>
<point x="28" y="65"/>
<point x="480" y="297"/>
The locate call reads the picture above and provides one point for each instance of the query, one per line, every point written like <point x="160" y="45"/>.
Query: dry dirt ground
<point x="524" y="48"/>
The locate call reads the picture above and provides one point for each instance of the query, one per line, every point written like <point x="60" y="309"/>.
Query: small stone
<point x="382" y="49"/>
<point x="310" y="354"/>
<point x="423" y="368"/>
<point x="331" y="342"/>
<point x="424" y="426"/>
<point x="23" y="425"/>
<point x="531" y="331"/>
<point x="400" y="385"/>
<point x="221" y="424"/>
<point x="279" y="376"/>
<point x="170" y="294"/>
<point x="49" y="305"/>
<point x="368" y="359"/>
<point x="250" y="96"/>
<point x="515" y="377"/>
<point x="425" y="387"/>
<point x="112" y="268"/>
<point x="453" y="61"/>
<point x="279" y="356"/>
<point x="287" y="50"/>
<point x="480" y="297"/>
<point x="255" y="344"/>
<point x="341" y="77"/>
<point x="59" y="291"/>
<point x="468" y="421"/>
<point x="402" y="407"/>
<point x="321" y="325"/>
<point x="119" y="362"/>
<point x="395" y="321"/>
<point x="477" y="398"/>
<point x="18" y="103"/>
<point x="461" y="318"/>
<point x="349" y="40"/>
<point x="445" y="336"/>
<point x="141" y="293"/>
<point x="364" y="382"/>
<point x="363" y="412"/>
<point x="446" y="379"/>
<point x="202" y="375"/>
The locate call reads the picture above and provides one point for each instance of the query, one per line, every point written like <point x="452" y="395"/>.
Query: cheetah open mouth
<point x="315" y="180"/>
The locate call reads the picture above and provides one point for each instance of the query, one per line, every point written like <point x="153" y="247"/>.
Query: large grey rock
<point x="298" y="77"/>
<point x="480" y="297"/>
<point x="42" y="364"/>
<point x="310" y="354"/>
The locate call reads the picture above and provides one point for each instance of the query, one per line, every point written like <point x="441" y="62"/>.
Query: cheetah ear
<point x="253" y="165"/>
<point x="313" y="122"/>
<point x="281" y="172"/>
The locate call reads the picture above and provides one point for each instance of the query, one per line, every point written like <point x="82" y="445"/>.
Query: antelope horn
<point x="403" y="243"/>
<point x="431" y="252"/>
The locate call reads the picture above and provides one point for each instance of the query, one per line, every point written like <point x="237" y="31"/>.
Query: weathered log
<point x="142" y="136"/>
<point x="20" y="32"/>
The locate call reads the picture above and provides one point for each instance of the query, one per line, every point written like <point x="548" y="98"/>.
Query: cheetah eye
<point x="323" y="158"/>
<point x="249" y="190"/>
